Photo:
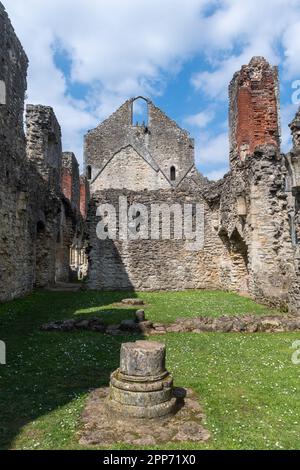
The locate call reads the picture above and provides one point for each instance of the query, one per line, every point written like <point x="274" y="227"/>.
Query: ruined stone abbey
<point x="49" y="213"/>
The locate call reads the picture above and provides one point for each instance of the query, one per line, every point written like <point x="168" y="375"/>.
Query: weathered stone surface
<point x="230" y="324"/>
<point x="100" y="426"/>
<point x="39" y="225"/>
<point x="143" y="358"/>
<point x="93" y="324"/>
<point x="140" y="398"/>
<point x="140" y="316"/>
<point x="145" y="411"/>
<point x="224" y="324"/>
<point x="121" y="154"/>
<point x="132" y="302"/>
<point x="142" y="387"/>
<point x="145" y="326"/>
<point x="129" y="325"/>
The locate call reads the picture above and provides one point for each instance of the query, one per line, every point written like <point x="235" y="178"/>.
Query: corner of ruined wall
<point x="254" y="204"/>
<point x="44" y="147"/>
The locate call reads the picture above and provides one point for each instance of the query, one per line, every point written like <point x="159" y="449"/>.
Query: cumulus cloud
<point x="117" y="49"/>
<point x="213" y="149"/>
<point x="201" y="119"/>
<point x="291" y="45"/>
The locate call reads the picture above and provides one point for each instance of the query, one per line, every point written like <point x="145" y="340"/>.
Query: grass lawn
<point x="247" y="384"/>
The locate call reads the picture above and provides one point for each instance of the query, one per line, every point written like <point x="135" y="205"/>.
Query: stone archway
<point x="236" y="276"/>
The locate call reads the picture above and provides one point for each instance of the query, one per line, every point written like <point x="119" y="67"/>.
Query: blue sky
<point x="88" y="56"/>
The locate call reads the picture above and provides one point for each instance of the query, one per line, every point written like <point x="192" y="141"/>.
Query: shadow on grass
<point x="45" y="370"/>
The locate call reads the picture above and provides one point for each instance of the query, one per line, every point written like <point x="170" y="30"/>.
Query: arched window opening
<point x="173" y="173"/>
<point x="89" y="172"/>
<point x="40" y="226"/>
<point x="140" y="112"/>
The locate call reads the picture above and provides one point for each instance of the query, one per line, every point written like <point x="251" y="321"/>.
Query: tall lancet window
<point x="173" y="173"/>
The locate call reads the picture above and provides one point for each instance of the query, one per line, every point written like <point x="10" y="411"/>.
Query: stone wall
<point x="38" y="223"/>
<point x="15" y="272"/>
<point x="13" y="73"/>
<point x="129" y="170"/>
<point x="44" y="143"/>
<point x="159" y="153"/>
<point x="157" y="264"/>
<point x="254" y="220"/>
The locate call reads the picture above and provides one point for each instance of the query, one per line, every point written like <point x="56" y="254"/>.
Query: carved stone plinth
<point x="142" y="387"/>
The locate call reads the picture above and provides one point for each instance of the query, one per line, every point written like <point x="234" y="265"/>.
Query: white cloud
<point x="212" y="149"/>
<point x="125" y="48"/>
<point x="119" y="48"/>
<point x="291" y="45"/>
<point x="241" y="30"/>
<point x="201" y="119"/>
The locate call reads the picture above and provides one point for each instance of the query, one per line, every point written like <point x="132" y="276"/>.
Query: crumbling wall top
<point x="44" y="142"/>
<point x="254" y="109"/>
<point x="13" y="72"/>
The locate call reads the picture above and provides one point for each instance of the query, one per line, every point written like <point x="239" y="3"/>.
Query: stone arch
<point x="140" y="112"/>
<point x="236" y="276"/>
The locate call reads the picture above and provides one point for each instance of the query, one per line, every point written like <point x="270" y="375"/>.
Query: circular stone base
<point x="150" y="411"/>
<point x="102" y="426"/>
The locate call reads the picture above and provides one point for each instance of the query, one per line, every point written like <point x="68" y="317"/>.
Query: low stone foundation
<point x="224" y="324"/>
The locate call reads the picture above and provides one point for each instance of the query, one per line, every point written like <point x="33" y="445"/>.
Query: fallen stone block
<point x="132" y="302"/>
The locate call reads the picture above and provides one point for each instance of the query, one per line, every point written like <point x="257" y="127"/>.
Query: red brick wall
<point x="66" y="183"/>
<point x="254" y="108"/>
<point x="83" y="197"/>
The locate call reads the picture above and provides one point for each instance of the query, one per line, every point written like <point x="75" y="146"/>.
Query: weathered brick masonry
<point x="254" y="109"/>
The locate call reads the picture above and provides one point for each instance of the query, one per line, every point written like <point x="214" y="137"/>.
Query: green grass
<point x="247" y="384"/>
<point x="166" y="307"/>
